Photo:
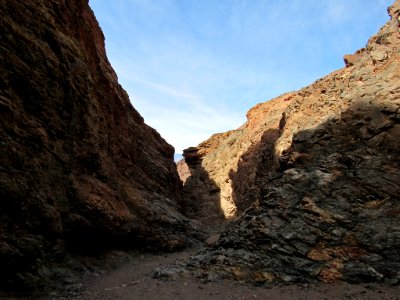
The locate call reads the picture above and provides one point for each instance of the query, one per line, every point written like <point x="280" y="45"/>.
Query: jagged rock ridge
<point x="313" y="176"/>
<point x="79" y="168"/>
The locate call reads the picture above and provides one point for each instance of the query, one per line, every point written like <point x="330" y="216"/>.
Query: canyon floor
<point x="138" y="275"/>
<point x="134" y="279"/>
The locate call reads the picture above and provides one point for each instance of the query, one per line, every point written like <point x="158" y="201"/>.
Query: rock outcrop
<point x="183" y="170"/>
<point x="313" y="177"/>
<point x="79" y="168"/>
<point x="224" y="166"/>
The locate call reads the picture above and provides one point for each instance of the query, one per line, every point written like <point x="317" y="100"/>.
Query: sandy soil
<point x="133" y="280"/>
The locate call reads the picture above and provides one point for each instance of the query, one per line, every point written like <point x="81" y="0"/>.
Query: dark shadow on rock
<point x="250" y="168"/>
<point x="328" y="208"/>
<point x="201" y="193"/>
<point x="79" y="168"/>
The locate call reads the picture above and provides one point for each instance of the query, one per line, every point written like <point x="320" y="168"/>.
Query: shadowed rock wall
<point x="79" y="168"/>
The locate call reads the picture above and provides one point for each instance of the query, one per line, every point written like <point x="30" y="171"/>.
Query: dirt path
<point x="133" y="280"/>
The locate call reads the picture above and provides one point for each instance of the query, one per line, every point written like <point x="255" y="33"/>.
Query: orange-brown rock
<point x="79" y="168"/>
<point x="183" y="170"/>
<point x="351" y="59"/>
<point x="211" y="190"/>
<point x="313" y="177"/>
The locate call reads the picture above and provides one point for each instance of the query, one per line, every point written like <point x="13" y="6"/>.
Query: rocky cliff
<point x="79" y="168"/>
<point x="313" y="178"/>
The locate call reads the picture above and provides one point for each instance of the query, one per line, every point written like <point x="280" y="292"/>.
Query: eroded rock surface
<point x="313" y="176"/>
<point x="79" y="168"/>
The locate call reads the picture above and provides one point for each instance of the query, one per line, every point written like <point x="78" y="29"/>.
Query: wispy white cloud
<point x="193" y="68"/>
<point x="184" y="127"/>
<point x="180" y="95"/>
<point x="338" y="13"/>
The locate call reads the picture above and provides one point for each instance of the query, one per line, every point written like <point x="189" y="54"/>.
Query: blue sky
<point x="195" y="67"/>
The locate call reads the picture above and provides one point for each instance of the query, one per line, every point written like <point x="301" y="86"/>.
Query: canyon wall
<point x="312" y="177"/>
<point x="80" y="171"/>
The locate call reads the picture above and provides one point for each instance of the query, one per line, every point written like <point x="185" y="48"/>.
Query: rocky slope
<point x="313" y="176"/>
<point x="79" y="168"/>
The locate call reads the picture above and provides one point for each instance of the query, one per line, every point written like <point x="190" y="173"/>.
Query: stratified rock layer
<point x="79" y="168"/>
<point x="314" y="177"/>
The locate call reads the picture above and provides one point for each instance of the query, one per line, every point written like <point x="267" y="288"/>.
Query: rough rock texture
<point x="314" y="177"/>
<point x="215" y="182"/>
<point x="79" y="168"/>
<point x="183" y="170"/>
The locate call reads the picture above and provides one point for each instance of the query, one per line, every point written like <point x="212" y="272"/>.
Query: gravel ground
<point x="133" y="280"/>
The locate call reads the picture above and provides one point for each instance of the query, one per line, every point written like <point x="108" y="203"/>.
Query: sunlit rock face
<point x="79" y="168"/>
<point x="224" y="167"/>
<point x="313" y="177"/>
